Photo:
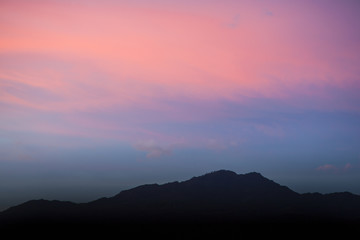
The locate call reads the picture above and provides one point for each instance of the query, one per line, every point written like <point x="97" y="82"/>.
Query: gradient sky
<point x="100" y="96"/>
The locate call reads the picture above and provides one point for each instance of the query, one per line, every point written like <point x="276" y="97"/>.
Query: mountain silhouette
<point x="217" y="198"/>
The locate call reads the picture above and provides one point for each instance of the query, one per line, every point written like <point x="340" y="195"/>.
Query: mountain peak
<point x="224" y="172"/>
<point x="219" y="175"/>
<point x="221" y="172"/>
<point x="230" y="175"/>
<point x="253" y="175"/>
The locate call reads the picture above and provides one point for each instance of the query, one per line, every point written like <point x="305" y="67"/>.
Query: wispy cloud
<point x="153" y="149"/>
<point x="270" y="130"/>
<point x="234" y="21"/>
<point x="334" y="168"/>
<point x="123" y="72"/>
<point x="326" y="167"/>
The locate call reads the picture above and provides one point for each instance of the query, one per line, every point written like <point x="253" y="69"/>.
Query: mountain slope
<point x="221" y="196"/>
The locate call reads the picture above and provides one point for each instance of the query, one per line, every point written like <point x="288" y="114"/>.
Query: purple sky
<point x="100" y="96"/>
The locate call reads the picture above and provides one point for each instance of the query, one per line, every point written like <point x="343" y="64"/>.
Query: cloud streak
<point x="153" y="149"/>
<point x="333" y="168"/>
<point x="128" y="71"/>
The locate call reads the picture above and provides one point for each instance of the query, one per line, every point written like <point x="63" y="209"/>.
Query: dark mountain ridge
<point x="218" y="197"/>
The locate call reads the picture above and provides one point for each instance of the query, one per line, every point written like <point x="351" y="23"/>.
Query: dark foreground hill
<point x="221" y="198"/>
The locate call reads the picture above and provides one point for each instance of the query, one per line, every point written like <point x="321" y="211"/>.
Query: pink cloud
<point x="330" y="167"/>
<point x="326" y="167"/>
<point x="215" y="144"/>
<point x="65" y="59"/>
<point x="348" y="166"/>
<point x="153" y="149"/>
<point x="252" y="59"/>
<point x="270" y="131"/>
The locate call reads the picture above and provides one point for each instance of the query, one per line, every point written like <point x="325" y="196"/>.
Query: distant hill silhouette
<point x="221" y="197"/>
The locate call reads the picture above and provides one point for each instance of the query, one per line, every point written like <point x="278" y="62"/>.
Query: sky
<point x="100" y="96"/>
